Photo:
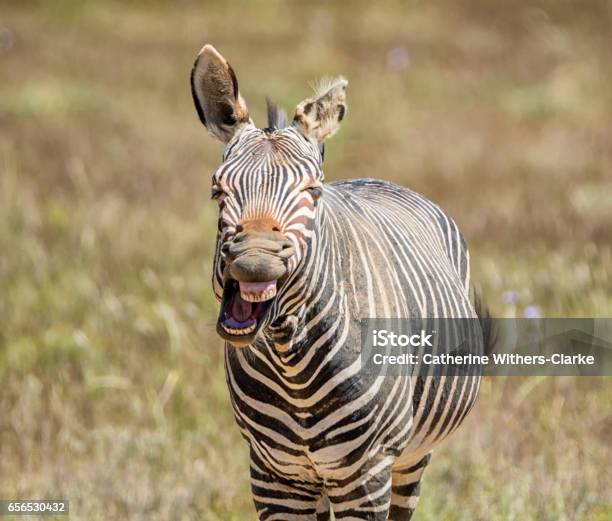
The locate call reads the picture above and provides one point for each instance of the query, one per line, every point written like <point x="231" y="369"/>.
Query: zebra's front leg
<point x="365" y="495"/>
<point x="278" y="499"/>
<point x="406" y="489"/>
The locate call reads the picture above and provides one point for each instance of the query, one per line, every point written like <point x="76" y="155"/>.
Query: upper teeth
<point x="258" y="297"/>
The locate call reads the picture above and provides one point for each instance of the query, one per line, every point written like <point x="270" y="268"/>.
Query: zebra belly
<point x="442" y="405"/>
<point x="329" y="463"/>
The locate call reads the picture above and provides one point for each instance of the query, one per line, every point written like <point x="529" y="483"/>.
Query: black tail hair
<point x="489" y="334"/>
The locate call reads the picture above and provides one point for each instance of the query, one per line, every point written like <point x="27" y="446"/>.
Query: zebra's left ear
<point x="319" y="117"/>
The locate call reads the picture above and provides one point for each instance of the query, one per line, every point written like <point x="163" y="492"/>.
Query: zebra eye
<point x="217" y="194"/>
<point x="315" y="191"/>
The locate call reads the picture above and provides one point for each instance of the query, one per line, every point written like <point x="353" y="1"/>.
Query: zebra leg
<point x="323" y="508"/>
<point x="406" y="488"/>
<point x="365" y="495"/>
<point x="278" y="499"/>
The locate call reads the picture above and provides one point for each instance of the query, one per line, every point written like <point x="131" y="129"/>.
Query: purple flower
<point x="7" y="39"/>
<point x="398" y="58"/>
<point x="533" y="312"/>
<point x="510" y="297"/>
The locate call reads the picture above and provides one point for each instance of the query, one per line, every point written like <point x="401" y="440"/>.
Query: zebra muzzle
<point x="254" y="266"/>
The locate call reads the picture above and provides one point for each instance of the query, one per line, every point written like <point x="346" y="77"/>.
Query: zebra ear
<point x="214" y="88"/>
<point x="319" y="117"/>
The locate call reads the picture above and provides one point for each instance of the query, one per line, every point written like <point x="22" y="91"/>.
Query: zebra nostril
<point x="286" y="249"/>
<point x="239" y="228"/>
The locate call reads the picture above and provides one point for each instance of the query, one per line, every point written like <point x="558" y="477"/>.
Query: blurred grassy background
<point x="112" y="392"/>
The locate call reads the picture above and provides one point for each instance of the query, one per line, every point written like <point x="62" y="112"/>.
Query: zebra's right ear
<point x="217" y="100"/>
<point x="319" y="117"/>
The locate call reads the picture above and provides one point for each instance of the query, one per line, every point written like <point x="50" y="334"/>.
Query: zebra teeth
<point x="238" y="332"/>
<point x="261" y="296"/>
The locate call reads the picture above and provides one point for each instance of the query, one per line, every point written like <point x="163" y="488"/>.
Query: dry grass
<point x="113" y="393"/>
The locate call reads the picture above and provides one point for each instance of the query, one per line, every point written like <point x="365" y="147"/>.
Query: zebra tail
<point x="489" y="333"/>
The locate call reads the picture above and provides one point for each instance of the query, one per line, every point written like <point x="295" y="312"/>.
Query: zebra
<point x="298" y="263"/>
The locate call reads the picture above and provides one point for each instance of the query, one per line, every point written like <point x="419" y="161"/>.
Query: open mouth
<point x="243" y="307"/>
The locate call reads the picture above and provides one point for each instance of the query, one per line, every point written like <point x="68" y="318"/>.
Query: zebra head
<point x="267" y="188"/>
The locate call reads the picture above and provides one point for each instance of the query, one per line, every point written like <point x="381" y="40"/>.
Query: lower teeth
<point x="238" y="332"/>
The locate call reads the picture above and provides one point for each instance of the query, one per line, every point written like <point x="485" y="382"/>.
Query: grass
<point x="113" y="393"/>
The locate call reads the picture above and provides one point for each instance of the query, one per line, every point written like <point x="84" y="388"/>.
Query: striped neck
<point x="305" y="321"/>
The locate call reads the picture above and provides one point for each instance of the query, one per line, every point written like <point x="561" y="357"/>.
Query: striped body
<point x="307" y="410"/>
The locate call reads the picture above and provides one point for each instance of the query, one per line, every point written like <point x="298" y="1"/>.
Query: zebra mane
<point x="277" y="117"/>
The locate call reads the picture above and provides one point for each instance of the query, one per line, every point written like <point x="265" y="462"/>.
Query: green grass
<point x="113" y="393"/>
